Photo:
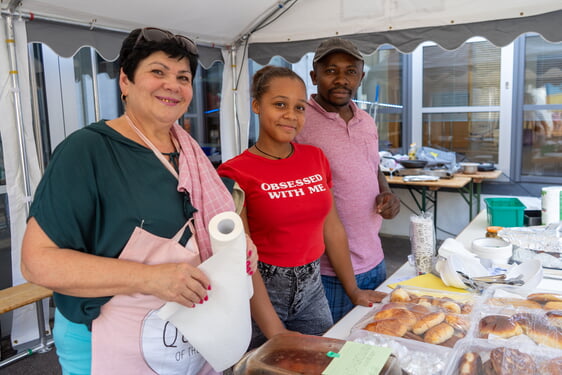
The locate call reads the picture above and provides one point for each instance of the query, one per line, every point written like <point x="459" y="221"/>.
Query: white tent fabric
<point x="24" y="327"/>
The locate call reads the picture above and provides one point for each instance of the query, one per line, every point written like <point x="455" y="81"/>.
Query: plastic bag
<point x="434" y="156"/>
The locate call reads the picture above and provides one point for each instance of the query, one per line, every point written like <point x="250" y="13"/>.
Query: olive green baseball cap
<point x="336" y="45"/>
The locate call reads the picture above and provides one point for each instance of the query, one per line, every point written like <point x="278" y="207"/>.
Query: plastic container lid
<point x="292" y="354"/>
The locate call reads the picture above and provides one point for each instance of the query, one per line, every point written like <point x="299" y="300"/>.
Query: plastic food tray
<point x="414" y="358"/>
<point x="522" y="359"/>
<point x="292" y="354"/>
<point x="453" y="311"/>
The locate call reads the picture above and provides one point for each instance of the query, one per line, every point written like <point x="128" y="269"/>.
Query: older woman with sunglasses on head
<point x="118" y="222"/>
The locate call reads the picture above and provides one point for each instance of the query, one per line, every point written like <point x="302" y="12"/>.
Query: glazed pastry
<point x="511" y="361"/>
<point x="428" y="321"/>
<point x="498" y="325"/>
<point x="439" y="334"/>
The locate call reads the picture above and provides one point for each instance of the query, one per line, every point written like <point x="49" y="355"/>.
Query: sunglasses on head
<point x="153" y="34"/>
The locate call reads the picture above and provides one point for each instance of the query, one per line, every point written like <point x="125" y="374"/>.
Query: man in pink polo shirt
<point x="349" y="138"/>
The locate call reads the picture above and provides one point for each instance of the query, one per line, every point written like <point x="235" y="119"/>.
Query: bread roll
<point x="428" y="321"/>
<point x="470" y="364"/>
<point x="419" y="310"/>
<point x="545" y="335"/>
<point x="399" y="295"/>
<point x="453" y="340"/>
<point x="451" y="306"/>
<point x="391" y="327"/>
<point x="394" y="305"/>
<point x="412" y="336"/>
<point x="555" y="318"/>
<point x="553" y="305"/>
<point x="458" y="322"/>
<point x="439" y="334"/>
<point x="498" y="325"/>
<point x="512" y="361"/>
<point x="426" y="301"/>
<point x="405" y="316"/>
<point x="466" y="308"/>
<point x="515" y="302"/>
<point x="545" y="297"/>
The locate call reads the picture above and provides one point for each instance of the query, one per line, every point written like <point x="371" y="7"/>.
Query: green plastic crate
<point x="505" y="212"/>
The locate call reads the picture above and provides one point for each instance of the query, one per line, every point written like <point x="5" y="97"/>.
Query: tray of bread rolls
<point x="424" y="315"/>
<point x="512" y="315"/>
<point x="474" y="357"/>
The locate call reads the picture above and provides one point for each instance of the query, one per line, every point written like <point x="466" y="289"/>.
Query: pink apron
<point x="128" y="337"/>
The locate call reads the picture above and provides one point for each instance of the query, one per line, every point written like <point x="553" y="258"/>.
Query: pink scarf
<point x="208" y="193"/>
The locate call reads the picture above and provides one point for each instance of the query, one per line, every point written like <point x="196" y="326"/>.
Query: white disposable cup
<point x="551" y="200"/>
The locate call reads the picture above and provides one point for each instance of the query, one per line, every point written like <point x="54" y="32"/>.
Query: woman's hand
<point x="178" y="282"/>
<point x="251" y="256"/>
<point x="366" y="297"/>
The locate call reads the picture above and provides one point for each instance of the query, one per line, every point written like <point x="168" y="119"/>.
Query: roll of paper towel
<point x="220" y="328"/>
<point x="551" y="198"/>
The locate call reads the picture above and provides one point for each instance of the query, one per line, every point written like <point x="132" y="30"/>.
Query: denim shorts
<point x="297" y="295"/>
<point x="340" y="304"/>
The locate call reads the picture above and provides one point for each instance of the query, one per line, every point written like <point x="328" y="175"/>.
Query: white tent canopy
<point x="289" y="28"/>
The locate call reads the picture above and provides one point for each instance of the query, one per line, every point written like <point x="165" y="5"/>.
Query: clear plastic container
<point x="293" y="354"/>
<point x="414" y="357"/>
<point x="508" y="358"/>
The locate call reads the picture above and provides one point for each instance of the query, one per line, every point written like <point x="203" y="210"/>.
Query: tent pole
<point x="237" y="135"/>
<point x="11" y="44"/>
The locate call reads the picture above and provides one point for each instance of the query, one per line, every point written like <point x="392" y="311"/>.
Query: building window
<point x="542" y="109"/>
<point x="381" y="94"/>
<point x="461" y="99"/>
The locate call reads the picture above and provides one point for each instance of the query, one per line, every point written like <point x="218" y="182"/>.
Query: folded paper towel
<point x="452" y="246"/>
<point x="220" y="329"/>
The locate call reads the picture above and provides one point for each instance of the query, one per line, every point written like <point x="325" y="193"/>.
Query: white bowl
<point x="492" y="248"/>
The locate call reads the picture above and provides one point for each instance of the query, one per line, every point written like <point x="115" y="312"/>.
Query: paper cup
<point x="551" y="199"/>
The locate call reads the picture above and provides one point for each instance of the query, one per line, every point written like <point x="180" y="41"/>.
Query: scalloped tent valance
<point x="290" y="28"/>
<point x="66" y="39"/>
<point x="498" y="32"/>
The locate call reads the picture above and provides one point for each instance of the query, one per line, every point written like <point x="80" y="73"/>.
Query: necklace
<point x="273" y="156"/>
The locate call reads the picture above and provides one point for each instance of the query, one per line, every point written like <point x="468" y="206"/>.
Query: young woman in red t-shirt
<point x="289" y="213"/>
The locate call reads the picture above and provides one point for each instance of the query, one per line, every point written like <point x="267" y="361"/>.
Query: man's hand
<point x="387" y="205"/>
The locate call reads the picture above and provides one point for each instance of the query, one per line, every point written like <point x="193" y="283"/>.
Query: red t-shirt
<point x="286" y="201"/>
